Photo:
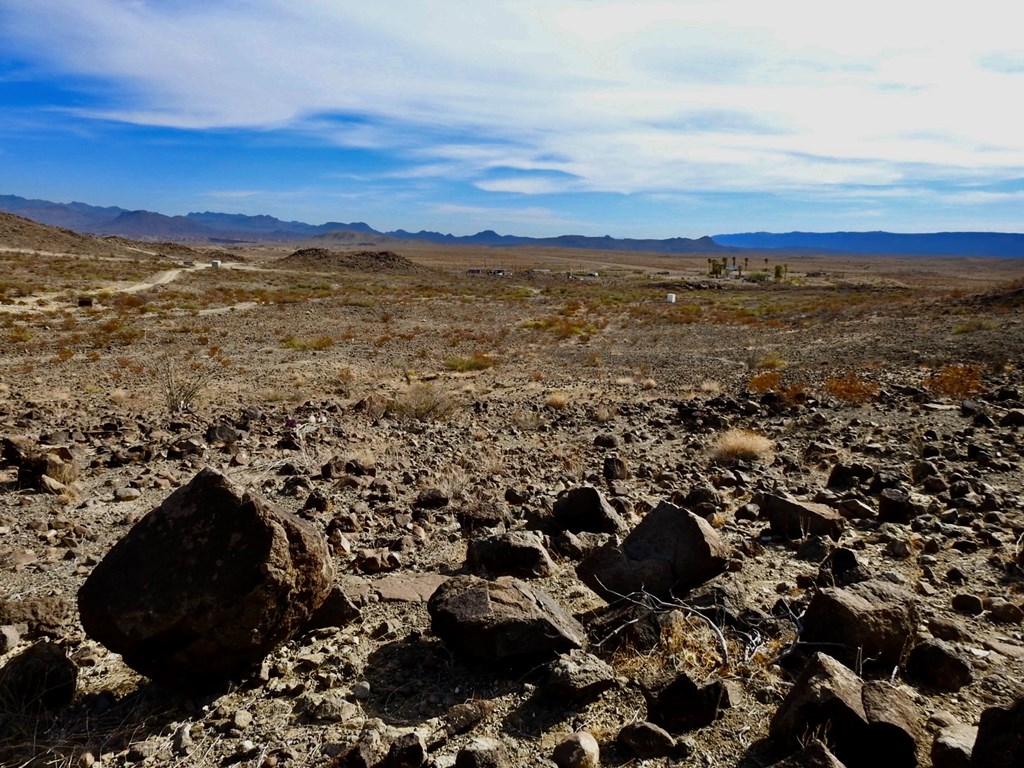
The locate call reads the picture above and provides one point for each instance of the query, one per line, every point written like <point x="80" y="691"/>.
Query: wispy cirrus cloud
<point x="623" y="98"/>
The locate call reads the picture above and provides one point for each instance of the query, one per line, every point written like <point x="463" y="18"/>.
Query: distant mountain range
<point x="936" y="243"/>
<point x="238" y="228"/>
<point x="233" y="227"/>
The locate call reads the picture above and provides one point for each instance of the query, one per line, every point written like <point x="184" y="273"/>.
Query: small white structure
<point x="671" y="298"/>
<point x="215" y="263"/>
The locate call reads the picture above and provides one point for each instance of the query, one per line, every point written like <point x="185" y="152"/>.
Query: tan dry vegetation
<point x="741" y="445"/>
<point x="556" y="401"/>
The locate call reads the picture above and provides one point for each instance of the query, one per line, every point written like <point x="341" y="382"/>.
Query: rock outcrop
<point x="865" y="724"/>
<point x="669" y="552"/>
<point x="870" y="623"/>
<point x="206" y="584"/>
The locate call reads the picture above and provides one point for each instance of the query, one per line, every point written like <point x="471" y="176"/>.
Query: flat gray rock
<point x="504" y="619"/>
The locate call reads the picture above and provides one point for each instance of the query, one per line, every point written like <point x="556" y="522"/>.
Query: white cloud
<point x="983" y="197"/>
<point x="527" y="185"/>
<point x="234" y="194"/>
<point x="504" y="219"/>
<point x="642" y="96"/>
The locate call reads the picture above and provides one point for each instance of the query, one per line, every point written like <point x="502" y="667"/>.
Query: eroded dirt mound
<point x="17" y="232"/>
<point x="1006" y="295"/>
<point x="362" y="261"/>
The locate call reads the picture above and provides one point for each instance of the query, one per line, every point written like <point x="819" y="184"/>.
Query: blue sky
<point x="534" y="117"/>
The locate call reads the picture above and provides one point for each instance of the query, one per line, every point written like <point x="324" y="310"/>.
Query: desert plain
<point x="452" y="385"/>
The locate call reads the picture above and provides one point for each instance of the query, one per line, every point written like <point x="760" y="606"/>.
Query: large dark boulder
<point x="517" y="553"/>
<point x="795" y="519"/>
<point x="671" y="551"/>
<point x="39" y="678"/>
<point x="865" y="725"/>
<point x="206" y="584"/>
<point x="896" y="506"/>
<point x="938" y="664"/>
<point x="585" y="509"/>
<point x="678" y="703"/>
<point x="871" y="623"/>
<point x="1000" y="742"/>
<point x="846" y="476"/>
<point x="501" y="620"/>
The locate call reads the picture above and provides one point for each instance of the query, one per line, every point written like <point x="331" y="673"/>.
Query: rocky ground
<point x="538" y="540"/>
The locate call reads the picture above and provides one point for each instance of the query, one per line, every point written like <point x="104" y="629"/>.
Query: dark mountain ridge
<point x="209" y="226"/>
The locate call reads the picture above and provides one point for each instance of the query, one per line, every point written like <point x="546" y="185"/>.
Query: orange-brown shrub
<point x="794" y="394"/>
<point x="768" y="381"/>
<point x="954" y="381"/>
<point x="851" y="389"/>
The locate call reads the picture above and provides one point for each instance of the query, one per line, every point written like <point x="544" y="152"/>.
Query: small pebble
<point x="580" y="750"/>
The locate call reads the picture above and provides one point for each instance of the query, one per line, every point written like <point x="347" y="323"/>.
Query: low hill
<point x="19" y="233"/>
<point x="356" y="261"/>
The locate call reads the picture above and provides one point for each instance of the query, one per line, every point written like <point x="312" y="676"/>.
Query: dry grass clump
<point x="476" y="362"/>
<point x="686" y="644"/>
<point x="344" y="379"/>
<point x="954" y="381"/>
<point x="771" y="361"/>
<point x="851" y="389"/>
<point x="74" y="736"/>
<point x="557" y="401"/>
<point x="649" y="384"/>
<point x="526" y="419"/>
<point x="120" y="396"/>
<point x="741" y="445"/>
<point x="454" y="482"/>
<point x="562" y="327"/>
<point x="974" y="324"/>
<point x="422" y="402"/>
<point x="312" y="344"/>
<point x="710" y="387"/>
<point x="19" y="334"/>
<point x="181" y="387"/>
<point x="62" y="355"/>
